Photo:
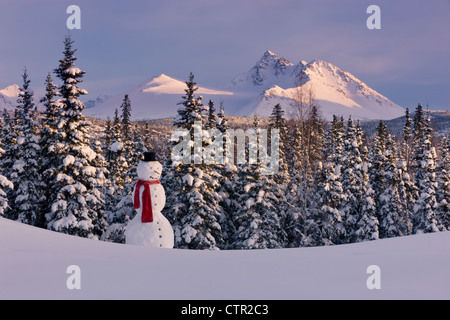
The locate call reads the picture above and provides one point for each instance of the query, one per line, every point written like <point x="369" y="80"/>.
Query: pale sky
<point x="124" y="43"/>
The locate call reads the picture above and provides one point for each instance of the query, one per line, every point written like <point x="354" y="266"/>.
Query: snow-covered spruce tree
<point x="333" y="142"/>
<point x="367" y="227"/>
<point x="424" y="215"/>
<point x="192" y="107"/>
<point x="296" y="160"/>
<point x="117" y="164"/>
<point x="278" y="121"/>
<point x="407" y="140"/>
<point x="228" y="175"/>
<point x="76" y="202"/>
<point x="127" y="137"/>
<point x="228" y="201"/>
<point x="8" y="157"/>
<point x="328" y="192"/>
<point x="191" y="190"/>
<point x="376" y="158"/>
<point x="121" y="210"/>
<point x="394" y="219"/>
<point x="418" y="124"/>
<point x="127" y="134"/>
<point x="4" y="184"/>
<point x="353" y="182"/>
<point x="296" y="199"/>
<point x="212" y="116"/>
<point x="50" y="138"/>
<point x="147" y="138"/>
<point x="108" y="134"/>
<point x="139" y="146"/>
<point x="443" y="190"/>
<point x="408" y="194"/>
<point x="258" y="219"/>
<point x="330" y="196"/>
<point x="221" y="121"/>
<point x="316" y="136"/>
<point x="257" y="222"/>
<point x="201" y="226"/>
<point x="28" y="186"/>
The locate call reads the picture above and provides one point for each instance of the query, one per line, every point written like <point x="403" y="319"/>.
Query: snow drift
<point x="33" y="265"/>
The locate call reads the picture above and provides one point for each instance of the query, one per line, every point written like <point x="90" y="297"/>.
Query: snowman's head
<point x="149" y="169"/>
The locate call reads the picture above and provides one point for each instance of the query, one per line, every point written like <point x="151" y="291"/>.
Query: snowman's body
<point x="158" y="233"/>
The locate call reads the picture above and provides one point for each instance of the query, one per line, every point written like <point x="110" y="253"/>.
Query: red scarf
<point x="147" y="212"/>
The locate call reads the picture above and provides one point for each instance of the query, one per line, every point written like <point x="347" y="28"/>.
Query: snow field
<point x="33" y="264"/>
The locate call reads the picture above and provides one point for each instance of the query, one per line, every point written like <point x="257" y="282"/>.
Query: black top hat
<point x="149" y="156"/>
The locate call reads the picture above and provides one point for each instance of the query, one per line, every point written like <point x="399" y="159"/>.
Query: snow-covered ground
<point x="34" y="262"/>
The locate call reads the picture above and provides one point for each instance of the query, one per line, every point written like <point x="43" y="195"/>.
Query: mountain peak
<point x="11" y="91"/>
<point x="266" y="71"/>
<point x="269" y="55"/>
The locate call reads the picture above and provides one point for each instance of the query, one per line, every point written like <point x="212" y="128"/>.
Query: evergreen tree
<point x="192" y="107"/>
<point x="4" y="184"/>
<point x="121" y="209"/>
<point x="333" y="140"/>
<point x="329" y="193"/>
<point x="126" y="123"/>
<point x="77" y="203"/>
<point x="278" y="122"/>
<point x="127" y="139"/>
<point x="258" y="220"/>
<point x="406" y="140"/>
<point x="367" y="228"/>
<point x="353" y="184"/>
<point x="424" y="216"/>
<point x="408" y="195"/>
<point x="418" y="124"/>
<point x="117" y="164"/>
<point x="147" y="137"/>
<point x="222" y="126"/>
<point x="229" y="201"/>
<point x="376" y="161"/>
<point x="50" y="137"/>
<point x="222" y="123"/>
<point x="443" y="190"/>
<point x="1" y="144"/>
<point x="108" y="134"/>
<point x="28" y="186"/>
<point x="212" y="117"/>
<point x="297" y="166"/>
<point x="392" y="215"/>
<point x="317" y="137"/>
<point x="192" y="198"/>
<point x="9" y="136"/>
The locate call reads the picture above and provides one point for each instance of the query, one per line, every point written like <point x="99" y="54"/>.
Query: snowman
<point x="149" y="227"/>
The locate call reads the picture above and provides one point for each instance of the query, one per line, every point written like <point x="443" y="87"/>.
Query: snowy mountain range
<point x="271" y="80"/>
<point x="276" y="80"/>
<point x="155" y="99"/>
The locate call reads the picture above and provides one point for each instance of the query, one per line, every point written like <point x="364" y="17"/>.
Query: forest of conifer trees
<point x="335" y="185"/>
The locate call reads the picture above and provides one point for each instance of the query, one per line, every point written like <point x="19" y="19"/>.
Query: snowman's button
<point x="160" y="245"/>
<point x="160" y="236"/>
